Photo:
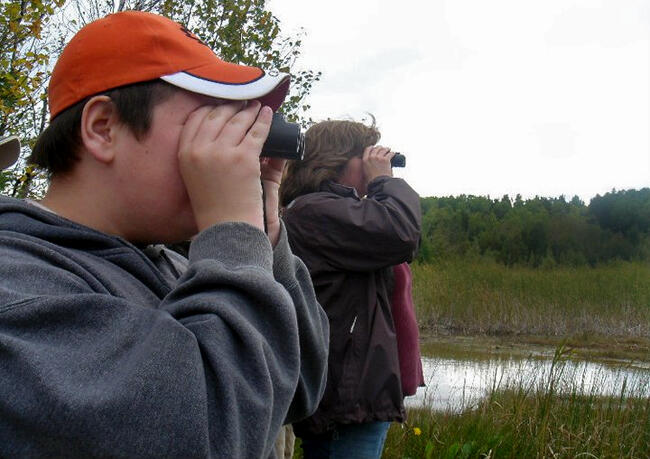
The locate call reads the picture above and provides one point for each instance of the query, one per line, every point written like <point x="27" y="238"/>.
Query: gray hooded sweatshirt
<point x="113" y="351"/>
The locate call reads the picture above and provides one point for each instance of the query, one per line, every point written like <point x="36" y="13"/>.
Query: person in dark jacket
<point x="351" y="221"/>
<point x="112" y="345"/>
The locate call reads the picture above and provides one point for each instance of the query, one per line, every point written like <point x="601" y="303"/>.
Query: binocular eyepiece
<point x="399" y="160"/>
<point x="286" y="141"/>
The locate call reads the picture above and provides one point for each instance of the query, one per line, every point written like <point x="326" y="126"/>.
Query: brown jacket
<point x="349" y="246"/>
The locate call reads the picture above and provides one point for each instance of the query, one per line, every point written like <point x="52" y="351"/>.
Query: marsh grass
<point x="536" y="421"/>
<point x="465" y="298"/>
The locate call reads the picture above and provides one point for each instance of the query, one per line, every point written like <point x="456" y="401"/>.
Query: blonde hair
<point x="329" y="145"/>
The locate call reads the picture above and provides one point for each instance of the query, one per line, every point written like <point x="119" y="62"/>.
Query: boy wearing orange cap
<point x="111" y="344"/>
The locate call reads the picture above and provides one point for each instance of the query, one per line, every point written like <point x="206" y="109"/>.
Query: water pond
<point x="457" y="382"/>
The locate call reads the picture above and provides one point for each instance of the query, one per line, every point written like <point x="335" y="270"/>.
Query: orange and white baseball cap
<point x="134" y="46"/>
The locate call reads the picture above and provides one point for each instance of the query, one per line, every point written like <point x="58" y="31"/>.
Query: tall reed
<point x="464" y="297"/>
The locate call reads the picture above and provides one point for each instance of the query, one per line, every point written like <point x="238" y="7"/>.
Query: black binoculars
<point x="399" y="160"/>
<point x="287" y="141"/>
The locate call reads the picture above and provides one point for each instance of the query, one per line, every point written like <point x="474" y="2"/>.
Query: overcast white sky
<point x="537" y="97"/>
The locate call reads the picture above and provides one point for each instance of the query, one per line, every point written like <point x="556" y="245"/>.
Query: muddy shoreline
<point x="590" y="347"/>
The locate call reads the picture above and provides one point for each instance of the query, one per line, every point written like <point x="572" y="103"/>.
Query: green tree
<point x="539" y="231"/>
<point x="23" y="75"/>
<point x="624" y="211"/>
<point x="23" y="60"/>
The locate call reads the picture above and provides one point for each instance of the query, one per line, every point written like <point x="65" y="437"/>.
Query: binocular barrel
<point x="285" y="140"/>
<point x="399" y="160"/>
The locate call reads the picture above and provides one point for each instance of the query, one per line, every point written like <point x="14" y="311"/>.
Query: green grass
<point x="511" y="425"/>
<point x="468" y="298"/>
<point x="530" y="422"/>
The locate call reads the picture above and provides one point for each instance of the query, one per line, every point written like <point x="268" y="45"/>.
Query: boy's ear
<point x="98" y="128"/>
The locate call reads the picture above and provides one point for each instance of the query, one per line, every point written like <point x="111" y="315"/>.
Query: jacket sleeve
<point x="363" y="235"/>
<point x="213" y="372"/>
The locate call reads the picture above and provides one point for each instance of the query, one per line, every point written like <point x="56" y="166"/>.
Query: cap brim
<point x="269" y="89"/>
<point x="9" y="151"/>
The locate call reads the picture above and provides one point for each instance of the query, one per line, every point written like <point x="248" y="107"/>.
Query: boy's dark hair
<point x="57" y="148"/>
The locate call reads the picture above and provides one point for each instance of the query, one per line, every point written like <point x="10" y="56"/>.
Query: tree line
<point x="538" y="232"/>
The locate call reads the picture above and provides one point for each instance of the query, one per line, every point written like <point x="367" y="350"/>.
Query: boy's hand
<point x="271" y="177"/>
<point x="376" y="162"/>
<point x="219" y="152"/>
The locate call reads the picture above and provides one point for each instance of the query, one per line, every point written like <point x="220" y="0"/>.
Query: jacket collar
<point x="332" y="187"/>
<point x="341" y="190"/>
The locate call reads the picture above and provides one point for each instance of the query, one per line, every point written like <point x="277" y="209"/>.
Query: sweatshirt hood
<point x="20" y="220"/>
<point x="20" y="216"/>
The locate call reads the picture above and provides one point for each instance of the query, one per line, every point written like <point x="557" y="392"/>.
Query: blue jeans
<point x="347" y="441"/>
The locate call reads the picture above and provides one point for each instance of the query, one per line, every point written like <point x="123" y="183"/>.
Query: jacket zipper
<point x="354" y="322"/>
